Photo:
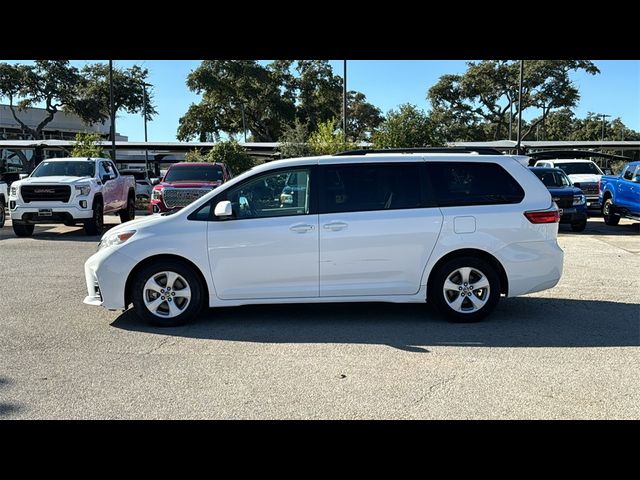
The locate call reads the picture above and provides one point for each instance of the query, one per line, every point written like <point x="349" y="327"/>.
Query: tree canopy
<point x="60" y="86"/>
<point x="405" y="128"/>
<point x="270" y="98"/>
<point x="479" y="102"/>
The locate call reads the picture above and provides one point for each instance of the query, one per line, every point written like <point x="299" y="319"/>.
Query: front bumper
<point x="106" y="273"/>
<point x="59" y="213"/>
<point x="593" y="202"/>
<point x="574" y="215"/>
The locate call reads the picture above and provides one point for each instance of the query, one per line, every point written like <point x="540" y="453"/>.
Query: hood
<point x="564" y="191"/>
<point x="138" y="223"/>
<point x="49" y="180"/>
<point x="584" y="177"/>
<point x="191" y="184"/>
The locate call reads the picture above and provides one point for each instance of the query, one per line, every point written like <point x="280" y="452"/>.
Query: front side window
<point x="473" y="183"/>
<point x="367" y="187"/>
<point x="277" y="194"/>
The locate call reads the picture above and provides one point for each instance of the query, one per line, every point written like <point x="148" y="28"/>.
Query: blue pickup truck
<point x="620" y="196"/>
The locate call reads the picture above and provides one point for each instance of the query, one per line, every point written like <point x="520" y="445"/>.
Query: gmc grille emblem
<point x="44" y="190"/>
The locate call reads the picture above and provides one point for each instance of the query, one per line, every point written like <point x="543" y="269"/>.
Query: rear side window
<point x="473" y="183"/>
<point x="366" y="187"/>
<point x="628" y="174"/>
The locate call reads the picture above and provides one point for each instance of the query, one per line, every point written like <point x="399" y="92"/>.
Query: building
<point x="64" y="126"/>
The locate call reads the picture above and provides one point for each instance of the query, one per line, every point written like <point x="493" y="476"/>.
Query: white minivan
<point x="457" y="230"/>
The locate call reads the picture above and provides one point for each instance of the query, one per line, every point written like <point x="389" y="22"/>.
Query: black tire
<point x="22" y="229"/>
<point x="610" y="218"/>
<point x="96" y="224"/>
<point x="442" y="300"/>
<point x="2" y="213"/>
<point x="579" y="227"/>
<point x="129" y="212"/>
<point x="138" y="294"/>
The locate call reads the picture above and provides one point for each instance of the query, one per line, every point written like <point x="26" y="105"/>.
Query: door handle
<point x="301" y="227"/>
<point x="335" y="226"/>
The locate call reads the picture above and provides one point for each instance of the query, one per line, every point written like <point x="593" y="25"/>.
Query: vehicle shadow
<point x="48" y="232"/>
<point x="7" y="409"/>
<point x="517" y="322"/>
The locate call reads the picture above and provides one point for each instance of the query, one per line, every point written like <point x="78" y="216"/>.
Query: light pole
<point x="112" y="113"/>
<point x="244" y="124"/>
<point x="510" y="117"/>
<point x="344" y="100"/>
<point x="603" y="117"/>
<point x="144" y="113"/>
<point x="520" y="107"/>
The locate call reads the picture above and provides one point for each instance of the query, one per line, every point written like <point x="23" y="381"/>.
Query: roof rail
<point x="478" y="150"/>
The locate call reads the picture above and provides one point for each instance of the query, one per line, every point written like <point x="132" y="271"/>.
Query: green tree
<point x="488" y="91"/>
<point x="58" y="85"/>
<point x="228" y="152"/>
<point x="231" y="90"/>
<point x="271" y="98"/>
<point x="128" y="92"/>
<point x="362" y="117"/>
<point x="294" y="141"/>
<point x="406" y="127"/>
<point x="327" y="139"/>
<point x="88" y="145"/>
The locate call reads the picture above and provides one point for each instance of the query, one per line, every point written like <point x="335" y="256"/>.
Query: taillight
<point x="545" y="216"/>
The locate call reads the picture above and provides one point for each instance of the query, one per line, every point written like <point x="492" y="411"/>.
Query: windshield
<point x="82" y="168"/>
<point x="553" y="179"/>
<point x="579" y="167"/>
<point x="195" y="174"/>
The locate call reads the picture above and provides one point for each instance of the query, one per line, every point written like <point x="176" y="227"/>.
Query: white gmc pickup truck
<point x="4" y="195"/>
<point x="71" y="191"/>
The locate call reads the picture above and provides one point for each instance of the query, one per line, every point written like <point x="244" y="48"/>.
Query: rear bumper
<point x="531" y="266"/>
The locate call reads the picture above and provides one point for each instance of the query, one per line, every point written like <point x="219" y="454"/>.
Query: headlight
<point x="115" y="239"/>
<point x="83" y="189"/>
<point x="155" y="194"/>
<point x="14" y="191"/>
<point x="579" y="199"/>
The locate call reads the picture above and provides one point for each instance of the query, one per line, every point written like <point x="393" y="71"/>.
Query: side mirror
<point x="576" y="184"/>
<point x="105" y="178"/>
<point x="155" y="181"/>
<point x="223" y="209"/>
<point x="23" y="175"/>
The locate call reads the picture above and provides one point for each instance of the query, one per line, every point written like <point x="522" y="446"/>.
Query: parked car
<point x="4" y="195"/>
<point x="185" y="182"/>
<point x="71" y="191"/>
<point x="571" y="200"/>
<point x="458" y="230"/>
<point x="143" y="182"/>
<point x="620" y="195"/>
<point x="584" y="174"/>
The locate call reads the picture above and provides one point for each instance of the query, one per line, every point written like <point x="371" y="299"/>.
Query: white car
<point x="457" y="230"/>
<point x="4" y="195"/>
<point x="584" y="174"/>
<point x="70" y="191"/>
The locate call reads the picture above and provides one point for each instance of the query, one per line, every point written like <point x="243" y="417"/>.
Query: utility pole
<point x="520" y="108"/>
<point x="603" y="117"/>
<point x="112" y="113"/>
<point x="244" y="125"/>
<point x="510" y="117"/>
<point x="144" y="109"/>
<point x="344" y="100"/>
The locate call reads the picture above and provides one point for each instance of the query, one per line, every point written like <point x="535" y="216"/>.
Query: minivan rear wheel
<point x="465" y="289"/>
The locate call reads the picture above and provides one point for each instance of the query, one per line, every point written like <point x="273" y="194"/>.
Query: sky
<point x="386" y="84"/>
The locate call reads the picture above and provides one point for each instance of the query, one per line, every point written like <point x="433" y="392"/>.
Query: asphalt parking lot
<point x="567" y="353"/>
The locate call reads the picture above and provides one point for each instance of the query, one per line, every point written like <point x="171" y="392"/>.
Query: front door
<point x="376" y="230"/>
<point x="269" y="248"/>
<point x="109" y="186"/>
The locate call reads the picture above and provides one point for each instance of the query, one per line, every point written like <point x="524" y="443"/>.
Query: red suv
<point x="185" y="182"/>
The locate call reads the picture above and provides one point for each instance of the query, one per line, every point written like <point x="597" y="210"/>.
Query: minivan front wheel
<point x="167" y="294"/>
<point x="465" y="289"/>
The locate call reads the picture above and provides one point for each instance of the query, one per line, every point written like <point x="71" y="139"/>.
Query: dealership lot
<point x="568" y="352"/>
